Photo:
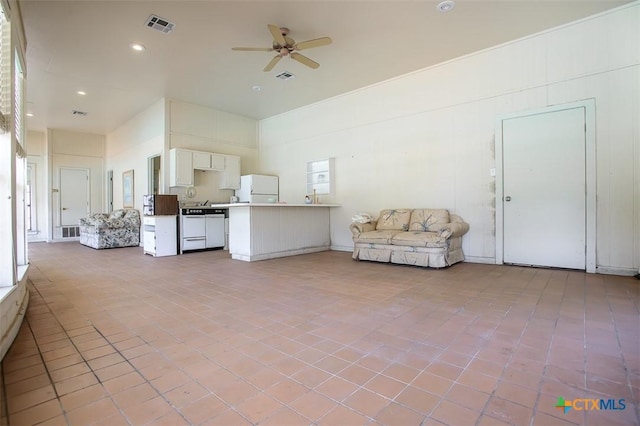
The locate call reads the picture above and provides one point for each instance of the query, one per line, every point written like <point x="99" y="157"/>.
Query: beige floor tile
<point x="341" y="415"/>
<point x="30" y="398"/>
<point x="170" y="342"/>
<point x="147" y="411"/>
<point x="38" y="413"/>
<point x="312" y="405"/>
<point x="186" y="394"/>
<point x="366" y="402"/>
<point x="259" y="407"/>
<point x="417" y="400"/>
<point x="93" y="412"/>
<point x="204" y="409"/>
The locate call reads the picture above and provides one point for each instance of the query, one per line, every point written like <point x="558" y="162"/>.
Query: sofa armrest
<point x="453" y="229"/>
<point x="358" y="228"/>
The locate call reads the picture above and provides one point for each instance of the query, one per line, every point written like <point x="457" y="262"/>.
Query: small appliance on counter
<point x="159" y="205"/>
<point x="258" y="189"/>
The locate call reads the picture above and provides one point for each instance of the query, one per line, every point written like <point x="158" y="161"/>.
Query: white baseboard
<point x="478" y="259"/>
<point x="341" y="248"/>
<point x="613" y="270"/>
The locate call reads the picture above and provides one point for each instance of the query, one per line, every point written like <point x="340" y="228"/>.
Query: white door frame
<point x="590" y="168"/>
<point x="109" y="190"/>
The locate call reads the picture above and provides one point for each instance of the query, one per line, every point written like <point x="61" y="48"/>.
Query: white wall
<point x="129" y="147"/>
<point x="426" y="139"/>
<point x="75" y="150"/>
<point x="205" y="129"/>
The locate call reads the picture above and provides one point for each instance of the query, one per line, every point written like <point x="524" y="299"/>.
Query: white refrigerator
<point x="258" y="189"/>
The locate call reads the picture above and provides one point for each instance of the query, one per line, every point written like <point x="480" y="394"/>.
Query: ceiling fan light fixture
<point x="445" y="6"/>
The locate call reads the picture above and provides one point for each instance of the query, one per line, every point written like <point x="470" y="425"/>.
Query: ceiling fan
<point x="286" y="46"/>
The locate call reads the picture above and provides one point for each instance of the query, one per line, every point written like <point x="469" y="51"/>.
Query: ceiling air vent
<point x="157" y="23"/>
<point x="80" y="113"/>
<point x="286" y="75"/>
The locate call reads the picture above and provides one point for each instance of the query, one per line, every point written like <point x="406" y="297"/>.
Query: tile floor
<point x="116" y="337"/>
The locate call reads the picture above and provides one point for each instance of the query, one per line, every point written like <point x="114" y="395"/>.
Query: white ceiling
<point x="84" y="45"/>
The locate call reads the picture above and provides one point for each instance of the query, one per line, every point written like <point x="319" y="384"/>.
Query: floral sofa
<point x="421" y="237"/>
<point x="120" y="228"/>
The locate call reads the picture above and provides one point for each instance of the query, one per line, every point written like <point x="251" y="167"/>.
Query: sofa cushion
<point x="383" y="236"/>
<point x="418" y="239"/>
<point x="428" y="219"/>
<point x="394" y="219"/>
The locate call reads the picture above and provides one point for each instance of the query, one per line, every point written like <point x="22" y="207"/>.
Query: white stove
<point x="202" y="227"/>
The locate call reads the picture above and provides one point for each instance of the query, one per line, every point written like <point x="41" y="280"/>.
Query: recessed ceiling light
<point x="29" y="114"/>
<point x="256" y="88"/>
<point x="81" y="92"/>
<point x="445" y="6"/>
<point x="138" y="47"/>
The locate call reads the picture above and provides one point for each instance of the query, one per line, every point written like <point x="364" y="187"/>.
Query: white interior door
<point x="544" y="189"/>
<point x="74" y="195"/>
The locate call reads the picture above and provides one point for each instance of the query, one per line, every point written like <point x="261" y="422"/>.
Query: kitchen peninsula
<point x="266" y="231"/>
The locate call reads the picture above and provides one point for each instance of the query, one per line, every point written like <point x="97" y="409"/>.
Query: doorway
<point x="154" y="166"/>
<point x="109" y="191"/>
<point x="31" y="217"/>
<point x="545" y="187"/>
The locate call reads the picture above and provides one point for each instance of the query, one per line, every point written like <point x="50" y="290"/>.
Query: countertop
<point x="273" y="205"/>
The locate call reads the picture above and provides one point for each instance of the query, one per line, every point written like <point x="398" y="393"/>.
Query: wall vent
<point x="157" y="23"/>
<point x="285" y="75"/>
<point x="81" y="113"/>
<point x="70" y="231"/>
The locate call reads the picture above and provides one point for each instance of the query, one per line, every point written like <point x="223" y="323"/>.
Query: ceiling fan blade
<point x="272" y="64"/>
<point x="312" y="43"/>
<point x="277" y="34"/>
<point x="253" y="49"/>
<point x="304" y="60"/>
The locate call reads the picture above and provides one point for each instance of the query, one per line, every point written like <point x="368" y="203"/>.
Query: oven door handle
<point x="194" y="239"/>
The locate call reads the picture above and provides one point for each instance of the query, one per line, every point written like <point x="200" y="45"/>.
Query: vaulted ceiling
<point x="85" y="46"/>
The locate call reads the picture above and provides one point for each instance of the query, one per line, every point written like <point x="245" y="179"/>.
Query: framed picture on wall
<point x="127" y="189"/>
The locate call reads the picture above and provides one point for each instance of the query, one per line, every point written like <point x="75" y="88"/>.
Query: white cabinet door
<point x="217" y="162"/>
<point x="215" y="230"/>
<point x="230" y="178"/>
<point x="208" y="161"/>
<point x="201" y="160"/>
<point x="180" y="167"/>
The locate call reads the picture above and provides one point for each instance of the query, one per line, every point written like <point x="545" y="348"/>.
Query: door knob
<point x="507" y="198"/>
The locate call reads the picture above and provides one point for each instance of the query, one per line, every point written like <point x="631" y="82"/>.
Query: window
<point x="21" y="162"/>
<point x="320" y="177"/>
<point x="13" y="159"/>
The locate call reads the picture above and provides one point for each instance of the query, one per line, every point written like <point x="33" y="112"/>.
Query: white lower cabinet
<point x="160" y="235"/>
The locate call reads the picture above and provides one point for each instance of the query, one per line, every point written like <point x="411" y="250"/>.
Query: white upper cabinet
<point x="182" y="163"/>
<point x="180" y="167"/>
<point x="217" y="162"/>
<point x="230" y="178"/>
<point x="208" y="161"/>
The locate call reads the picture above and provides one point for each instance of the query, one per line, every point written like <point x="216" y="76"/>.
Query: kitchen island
<point x="266" y="231"/>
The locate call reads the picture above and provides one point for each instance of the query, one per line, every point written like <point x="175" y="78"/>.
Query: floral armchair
<point x="120" y="228"/>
